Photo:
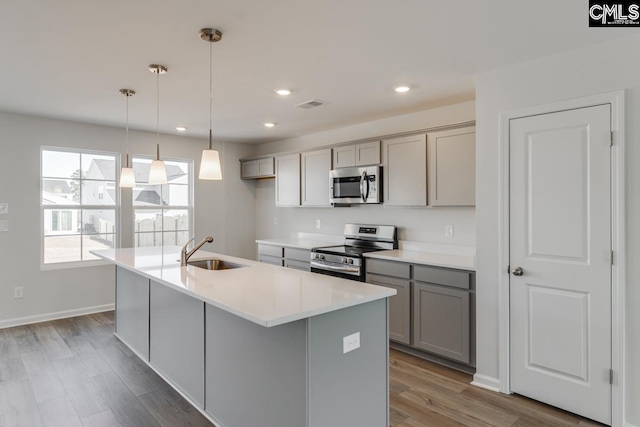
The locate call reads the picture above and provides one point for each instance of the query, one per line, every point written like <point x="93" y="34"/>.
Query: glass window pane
<point x="175" y="220"/>
<point x="148" y="195"/>
<point x="61" y="249"/>
<point x="182" y="237"/>
<point x="98" y="192"/>
<point x="60" y="164"/>
<point x="100" y="167"/>
<point x="60" y="192"/>
<point x="141" y="170"/>
<point x="61" y="221"/>
<point x="177" y="172"/>
<point x="95" y="221"/>
<point x="96" y="242"/>
<point x="175" y="195"/>
<point x="148" y="220"/>
<point x="147" y="239"/>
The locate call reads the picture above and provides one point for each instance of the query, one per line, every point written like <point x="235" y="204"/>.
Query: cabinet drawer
<point x="297" y="254"/>
<point x="388" y="268"/>
<point x="297" y="265"/>
<point x="440" y="276"/>
<point x="276" y="251"/>
<point x="271" y="260"/>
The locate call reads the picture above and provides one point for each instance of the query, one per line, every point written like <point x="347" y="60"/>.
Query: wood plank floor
<point x="75" y="373"/>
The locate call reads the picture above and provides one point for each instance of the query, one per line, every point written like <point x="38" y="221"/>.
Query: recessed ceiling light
<point x="283" y="92"/>
<point x="402" y="89"/>
<point x="181" y="128"/>
<point x="269" y="125"/>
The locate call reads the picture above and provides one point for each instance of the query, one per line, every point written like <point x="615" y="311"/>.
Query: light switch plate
<point x="4" y="208"/>
<point x="351" y="342"/>
<point x="4" y="226"/>
<point x="318" y="224"/>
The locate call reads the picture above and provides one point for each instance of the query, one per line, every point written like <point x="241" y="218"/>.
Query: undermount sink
<point x="214" y="264"/>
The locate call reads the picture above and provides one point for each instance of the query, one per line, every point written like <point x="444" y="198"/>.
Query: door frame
<point x="618" y="283"/>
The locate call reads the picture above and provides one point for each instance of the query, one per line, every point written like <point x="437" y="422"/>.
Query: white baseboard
<point x="8" y="323"/>
<point x="486" y="382"/>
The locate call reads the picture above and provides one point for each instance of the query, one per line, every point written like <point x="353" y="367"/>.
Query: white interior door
<point x="560" y="238"/>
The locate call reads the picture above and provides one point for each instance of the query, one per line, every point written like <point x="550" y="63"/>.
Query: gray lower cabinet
<point x="296" y="258"/>
<point x="132" y="310"/>
<point x="399" y="307"/>
<point x="177" y="339"/>
<point x="441" y="321"/>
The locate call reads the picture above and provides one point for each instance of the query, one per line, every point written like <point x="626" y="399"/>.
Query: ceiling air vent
<point x="311" y="104"/>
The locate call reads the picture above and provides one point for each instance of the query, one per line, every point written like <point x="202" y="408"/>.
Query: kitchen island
<point x="257" y="345"/>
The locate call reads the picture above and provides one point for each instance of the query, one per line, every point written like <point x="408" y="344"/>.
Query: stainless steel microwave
<point x="356" y="185"/>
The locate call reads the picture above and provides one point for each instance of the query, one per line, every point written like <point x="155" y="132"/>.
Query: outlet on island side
<point x="350" y="342"/>
<point x="448" y="230"/>
<point x="318" y="224"/>
<point x="18" y="292"/>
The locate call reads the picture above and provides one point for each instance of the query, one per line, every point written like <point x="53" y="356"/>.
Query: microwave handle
<point x="363" y="180"/>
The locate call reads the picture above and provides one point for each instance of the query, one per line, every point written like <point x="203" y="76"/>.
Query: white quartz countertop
<point x="264" y="294"/>
<point x="460" y="262"/>
<point x="298" y="243"/>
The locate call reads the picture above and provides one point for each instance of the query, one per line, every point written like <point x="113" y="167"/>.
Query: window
<point x="163" y="212"/>
<point x="79" y="204"/>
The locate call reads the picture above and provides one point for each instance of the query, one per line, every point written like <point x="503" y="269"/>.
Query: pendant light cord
<point x="158" y="104"/>
<point x="127" y="131"/>
<point x="210" y="95"/>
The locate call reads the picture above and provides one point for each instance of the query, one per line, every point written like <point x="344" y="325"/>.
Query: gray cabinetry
<point x="177" y="339"/>
<point x="296" y="258"/>
<point x="259" y="168"/>
<point x="405" y="173"/>
<point x="433" y="308"/>
<point x="288" y="180"/>
<point x="316" y="166"/>
<point x="441" y="321"/>
<point x="362" y="154"/>
<point x="132" y="310"/>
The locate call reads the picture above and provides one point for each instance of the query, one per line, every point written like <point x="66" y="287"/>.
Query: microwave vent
<point x="311" y="104"/>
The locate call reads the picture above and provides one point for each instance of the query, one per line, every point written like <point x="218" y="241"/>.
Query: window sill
<point x="73" y="264"/>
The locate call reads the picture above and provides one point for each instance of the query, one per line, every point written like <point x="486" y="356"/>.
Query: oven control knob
<point x="321" y="256"/>
<point x="316" y="256"/>
<point x="350" y="260"/>
<point x="344" y="260"/>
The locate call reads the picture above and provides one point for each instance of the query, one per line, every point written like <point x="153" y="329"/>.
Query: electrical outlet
<point x="318" y="224"/>
<point x="4" y="225"/>
<point x="350" y="342"/>
<point x="18" y="292"/>
<point x="4" y="208"/>
<point x="448" y="231"/>
<point x="275" y="221"/>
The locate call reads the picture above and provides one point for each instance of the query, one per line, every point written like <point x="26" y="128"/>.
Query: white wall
<point x="53" y="291"/>
<point x="416" y="224"/>
<point x="601" y="68"/>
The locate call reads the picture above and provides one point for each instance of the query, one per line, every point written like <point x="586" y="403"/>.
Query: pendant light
<point x="210" y="162"/>
<point x="127" y="177"/>
<point x="158" y="171"/>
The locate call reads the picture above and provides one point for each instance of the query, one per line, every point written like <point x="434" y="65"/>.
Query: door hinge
<point x="611" y="139"/>
<point x="611" y="257"/>
<point x="611" y="376"/>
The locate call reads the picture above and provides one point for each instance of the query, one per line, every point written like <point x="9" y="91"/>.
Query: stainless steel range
<point x="347" y="261"/>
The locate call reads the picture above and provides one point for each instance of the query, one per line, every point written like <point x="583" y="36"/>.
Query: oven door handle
<point x="363" y="180"/>
<point x="326" y="266"/>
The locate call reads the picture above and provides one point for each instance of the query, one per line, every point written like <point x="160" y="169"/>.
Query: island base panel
<point x="132" y="310"/>
<point x="349" y="389"/>
<point x="255" y="376"/>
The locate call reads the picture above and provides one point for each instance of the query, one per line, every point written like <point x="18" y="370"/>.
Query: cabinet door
<point x="441" y="321"/>
<point x="316" y="166"/>
<point x="249" y="169"/>
<point x="132" y="310"/>
<point x="368" y="153"/>
<point x="344" y="157"/>
<point x="177" y="339"/>
<point x="265" y="167"/>
<point x="399" y="307"/>
<point x="288" y="180"/>
<point x="452" y="167"/>
<point x="405" y="173"/>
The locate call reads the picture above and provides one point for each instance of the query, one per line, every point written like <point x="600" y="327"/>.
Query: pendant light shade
<point x="127" y="177"/>
<point x="158" y="170"/>
<point x="210" y="168"/>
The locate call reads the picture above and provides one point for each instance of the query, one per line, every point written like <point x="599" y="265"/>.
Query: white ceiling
<point x="68" y="58"/>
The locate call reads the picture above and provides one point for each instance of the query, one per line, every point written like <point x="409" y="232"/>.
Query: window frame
<point x="190" y="208"/>
<point x="80" y="207"/>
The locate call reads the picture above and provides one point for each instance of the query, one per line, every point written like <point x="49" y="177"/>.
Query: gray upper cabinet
<point x="288" y="180"/>
<point x="441" y="321"/>
<point x="452" y="167"/>
<point x="405" y="173"/>
<point x="362" y="154"/>
<point x="316" y="166"/>
<point x="259" y="168"/>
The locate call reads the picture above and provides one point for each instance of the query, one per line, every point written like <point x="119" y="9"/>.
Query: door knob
<point x="518" y="271"/>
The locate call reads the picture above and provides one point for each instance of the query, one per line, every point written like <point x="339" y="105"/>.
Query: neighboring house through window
<point x="79" y="204"/>
<point x="163" y="213"/>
